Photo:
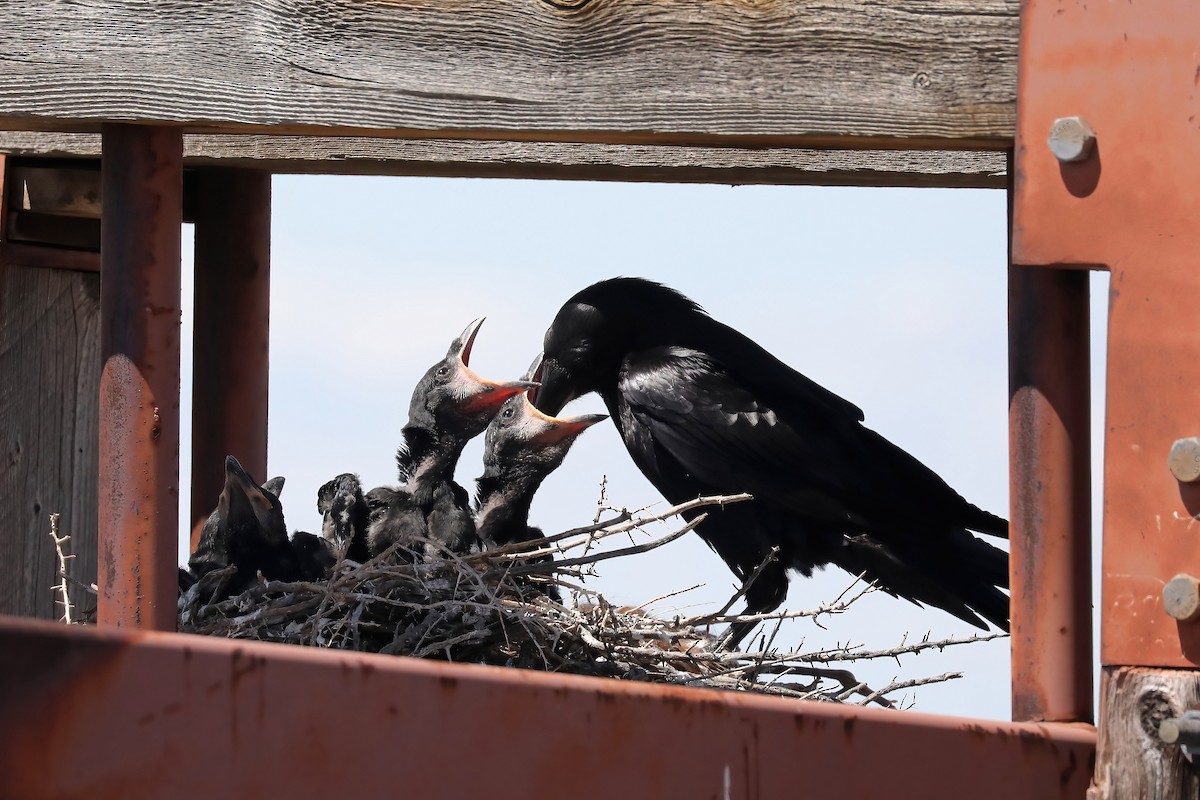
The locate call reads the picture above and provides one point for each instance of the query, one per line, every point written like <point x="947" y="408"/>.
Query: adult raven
<point x="704" y="410"/>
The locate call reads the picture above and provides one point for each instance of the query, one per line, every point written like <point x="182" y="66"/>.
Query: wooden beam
<point x="1131" y="759"/>
<point x="49" y="417"/>
<point x="555" y="160"/>
<point x="783" y="73"/>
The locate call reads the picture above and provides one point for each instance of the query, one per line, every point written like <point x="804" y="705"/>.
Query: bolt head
<point x="1184" y="459"/>
<point x="1181" y="598"/>
<point x="1071" y="139"/>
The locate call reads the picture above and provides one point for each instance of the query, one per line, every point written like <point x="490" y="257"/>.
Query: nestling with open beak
<point x="450" y="406"/>
<point x="521" y="448"/>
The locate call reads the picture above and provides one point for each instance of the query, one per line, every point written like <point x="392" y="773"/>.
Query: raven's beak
<point x="460" y="348"/>
<point x="476" y="393"/>
<point x="242" y="495"/>
<point x="555" y="390"/>
<point x="542" y="430"/>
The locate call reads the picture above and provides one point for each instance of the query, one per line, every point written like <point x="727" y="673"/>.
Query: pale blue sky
<point x="894" y="298"/>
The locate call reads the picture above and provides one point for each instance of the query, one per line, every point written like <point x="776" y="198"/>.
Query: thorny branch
<point x="490" y="608"/>
<point x="61" y="587"/>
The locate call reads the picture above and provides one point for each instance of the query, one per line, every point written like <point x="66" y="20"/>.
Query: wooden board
<point x="1131" y="760"/>
<point x="922" y="73"/>
<point x="49" y="371"/>
<point x="555" y="160"/>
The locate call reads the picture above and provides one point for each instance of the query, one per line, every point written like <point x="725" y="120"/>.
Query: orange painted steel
<point x="99" y="713"/>
<point x="142" y="188"/>
<point x="1050" y="494"/>
<point x="1132" y="207"/>
<point x="232" y="323"/>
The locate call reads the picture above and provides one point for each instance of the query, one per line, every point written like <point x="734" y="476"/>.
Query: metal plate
<point x="1132" y="207"/>
<point x="107" y="713"/>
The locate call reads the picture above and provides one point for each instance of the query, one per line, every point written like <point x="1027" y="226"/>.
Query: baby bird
<point x="450" y="405"/>
<point x="522" y="447"/>
<point x="346" y="517"/>
<point x="247" y="530"/>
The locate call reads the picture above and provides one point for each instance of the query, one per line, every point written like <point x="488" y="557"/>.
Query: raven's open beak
<point x="542" y="430"/>
<point x="475" y="392"/>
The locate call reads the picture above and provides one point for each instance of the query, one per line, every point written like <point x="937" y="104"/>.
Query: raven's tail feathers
<point x="959" y="573"/>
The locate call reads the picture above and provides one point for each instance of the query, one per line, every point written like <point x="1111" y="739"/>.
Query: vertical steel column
<point x="1050" y="491"/>
<point x="142" y="195"/>
<point x="232" y="212"/>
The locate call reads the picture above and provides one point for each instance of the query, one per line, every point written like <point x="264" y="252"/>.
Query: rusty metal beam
<point x="141" y="188"/>
<point x="168" y="715"/>
<point x="1050" y="494"/>
<point x="232" y="212"/>
<point x="1128" y="204"/>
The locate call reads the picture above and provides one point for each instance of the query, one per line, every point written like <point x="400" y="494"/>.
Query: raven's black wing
<point x="902" y="523"/>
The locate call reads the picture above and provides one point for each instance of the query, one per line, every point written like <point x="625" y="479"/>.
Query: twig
<point x="602" y="501"/>
<point x="896" y="686"/>
<point x="675" y="593"/>
<point x="61" y="586"/>
<point x="525" y="569"/>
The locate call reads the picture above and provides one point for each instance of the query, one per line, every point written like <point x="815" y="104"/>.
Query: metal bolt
<point x="1183" y="731"/>
<point x="1181" y="598"/>
<point x="1184" y="460"/>
<point x="1071" y="139"/>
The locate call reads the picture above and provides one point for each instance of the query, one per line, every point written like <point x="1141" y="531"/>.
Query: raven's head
<point x="522" y="446"/>
<point x="523" y="439"/>
<point x="595" y="329"/>
<point x="450" y="406"/>
<point x="453" y="399"/>
<point x="345" y="515"/>
<point x="248" y="520"/>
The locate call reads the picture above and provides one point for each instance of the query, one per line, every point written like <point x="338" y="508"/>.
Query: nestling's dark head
<point x="248" y="520"/>
<point x="452" y="398"/>
<point x="246" y="505"/>
<point x="522" y="439"/>
<point x="521" y="447"/>
<point x="344" y="510"/>
<point x="593" y="330"/>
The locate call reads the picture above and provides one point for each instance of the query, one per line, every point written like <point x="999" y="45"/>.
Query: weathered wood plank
<point x="1131" y="759"/>
<point x="556" y="160"/>
<point x="49" y="370"/>
<point x="927" y="73"/>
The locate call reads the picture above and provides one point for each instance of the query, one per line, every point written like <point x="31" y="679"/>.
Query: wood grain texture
<point x="1131" y="760"/>
<point x="555" y="160"/>
<point x="615" y="71"/>
<point x="49" y="371"/>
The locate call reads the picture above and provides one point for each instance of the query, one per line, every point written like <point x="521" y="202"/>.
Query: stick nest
<point x="492" y="608"/>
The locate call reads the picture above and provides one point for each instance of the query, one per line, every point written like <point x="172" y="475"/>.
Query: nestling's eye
<point x="508" y="413"/>
<point x="442" y="372"/>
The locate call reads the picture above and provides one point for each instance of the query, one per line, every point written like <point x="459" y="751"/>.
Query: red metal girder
<point x="1050" y="494"/>
<point x="1131" y="70"/>
<point x="233" y="292"/>
<point x="141" y="190"/>
<point x="100" y="713"/>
